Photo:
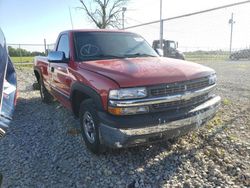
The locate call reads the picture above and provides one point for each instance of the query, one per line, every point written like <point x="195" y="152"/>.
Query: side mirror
<point x="57" y="57"/>
<point x="177" y="45"/>
<point x="159" y="52"/>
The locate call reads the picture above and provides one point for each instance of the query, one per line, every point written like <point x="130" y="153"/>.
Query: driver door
<point x="60" y="79"/>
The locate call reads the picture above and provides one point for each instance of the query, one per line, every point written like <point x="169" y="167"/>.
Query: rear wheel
<point x="45" y="95"/>
<point x="90" y="127"/>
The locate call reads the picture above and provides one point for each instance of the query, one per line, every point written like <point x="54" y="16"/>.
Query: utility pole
<point x="45" y="49"/>
<point x="123" y="16"/>
<point x="161" y="26"/>
<point x="232" y="22"/>
<point x="20" y="53"/>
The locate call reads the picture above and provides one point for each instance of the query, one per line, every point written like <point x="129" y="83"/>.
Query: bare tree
<point x="106" y="13"/>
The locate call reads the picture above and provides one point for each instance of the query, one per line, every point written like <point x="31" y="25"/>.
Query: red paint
<point x="146" y="71"/>
<point x="104" y="75"/>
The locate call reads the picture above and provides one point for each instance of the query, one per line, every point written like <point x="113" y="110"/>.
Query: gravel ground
<point x="44" y="148"/>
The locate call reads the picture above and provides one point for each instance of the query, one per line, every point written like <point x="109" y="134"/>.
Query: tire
<point x="234" y="58"/>
<point x="89" y="123"/>
<point x="45" y="95"/>
<point x="180" y="56"/>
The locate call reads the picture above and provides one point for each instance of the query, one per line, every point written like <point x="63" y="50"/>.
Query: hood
<point x="131" y="72"/>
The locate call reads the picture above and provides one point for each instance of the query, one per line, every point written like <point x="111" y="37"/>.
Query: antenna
<point x="72" y="26"/>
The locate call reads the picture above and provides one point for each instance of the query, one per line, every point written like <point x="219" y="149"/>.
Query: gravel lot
<point x="44" y="148"/>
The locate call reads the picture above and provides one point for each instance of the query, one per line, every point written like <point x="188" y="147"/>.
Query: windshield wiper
<point x="108" y="56"/>
<point x="139" y="55"/>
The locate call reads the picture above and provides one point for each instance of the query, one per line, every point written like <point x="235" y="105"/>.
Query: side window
<point x="63" y="45"/>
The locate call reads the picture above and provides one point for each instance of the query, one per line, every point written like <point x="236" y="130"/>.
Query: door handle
<point x="52" y="69"/>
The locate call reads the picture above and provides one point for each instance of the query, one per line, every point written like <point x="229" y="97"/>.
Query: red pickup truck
<point x="123" y="92"/>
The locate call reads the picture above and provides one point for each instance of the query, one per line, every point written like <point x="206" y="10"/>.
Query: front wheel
<point x="90" y="127"/>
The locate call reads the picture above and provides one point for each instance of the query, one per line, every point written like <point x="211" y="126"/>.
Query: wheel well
<point x="77" y="98"/>
<point x="37" y="75"/>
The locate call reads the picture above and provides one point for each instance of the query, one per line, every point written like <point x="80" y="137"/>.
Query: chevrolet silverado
<point x="123" y="92"/>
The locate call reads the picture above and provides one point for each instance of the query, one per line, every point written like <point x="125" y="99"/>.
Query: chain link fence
<point x="204" y="36"/>
<point x="219" y="35"/>
<point x="25" y="53"/>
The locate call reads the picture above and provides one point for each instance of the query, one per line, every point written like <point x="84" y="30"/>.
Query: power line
<point x="190" y="14"/>
<point x="140" y="22"/>
<point x="11" y="44"/>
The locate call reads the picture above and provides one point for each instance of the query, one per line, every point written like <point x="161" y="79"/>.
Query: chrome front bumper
<point x="115" y="137"/>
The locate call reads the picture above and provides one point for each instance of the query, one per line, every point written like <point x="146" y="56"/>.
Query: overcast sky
<point x="29" y="21"/>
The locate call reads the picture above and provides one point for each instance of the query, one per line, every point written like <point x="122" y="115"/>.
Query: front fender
<point x="78" y="86"/>
<point x="93" y="84"/>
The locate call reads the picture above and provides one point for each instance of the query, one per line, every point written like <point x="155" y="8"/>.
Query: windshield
<point x="172" y="45"/>
<point x="108" y="45"/>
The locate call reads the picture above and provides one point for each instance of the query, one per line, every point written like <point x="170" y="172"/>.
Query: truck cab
<point x="169" y="49"/>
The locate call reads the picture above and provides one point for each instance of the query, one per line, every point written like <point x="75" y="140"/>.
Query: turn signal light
<point x="128" y="111"/>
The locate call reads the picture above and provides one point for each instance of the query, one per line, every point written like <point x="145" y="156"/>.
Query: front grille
<point x="179" y="87"/>
<point x="181" y="104"/>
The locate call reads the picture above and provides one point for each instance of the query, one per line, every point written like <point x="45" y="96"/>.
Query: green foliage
<point x="16" y="52"/>
<point x="22" y="59"/>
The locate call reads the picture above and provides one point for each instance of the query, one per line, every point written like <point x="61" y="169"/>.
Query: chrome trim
<point x="61" y="93"/>
<point x="158" y="100"/>
<point x="2" y="133"/>
<point x="202" y="113"/>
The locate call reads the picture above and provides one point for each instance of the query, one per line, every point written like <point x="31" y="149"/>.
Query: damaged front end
<point x="8" y="84"/>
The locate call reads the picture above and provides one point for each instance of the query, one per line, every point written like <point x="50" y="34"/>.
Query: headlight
<point x="212" y="79"/>
<point x="130" y="93"/>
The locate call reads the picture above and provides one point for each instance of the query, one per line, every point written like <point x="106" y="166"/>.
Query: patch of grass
<point x="23" y="66"/>
<point x="22" y="59"/>
<point x="232" y="137"/>
<point x="206" y="57"/>
<point x="217" y="121"/>
<point x="193" y="137"/>
<point x="226" y="101"/>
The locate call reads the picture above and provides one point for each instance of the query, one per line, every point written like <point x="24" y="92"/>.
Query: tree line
<point x="16" y="52"/>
